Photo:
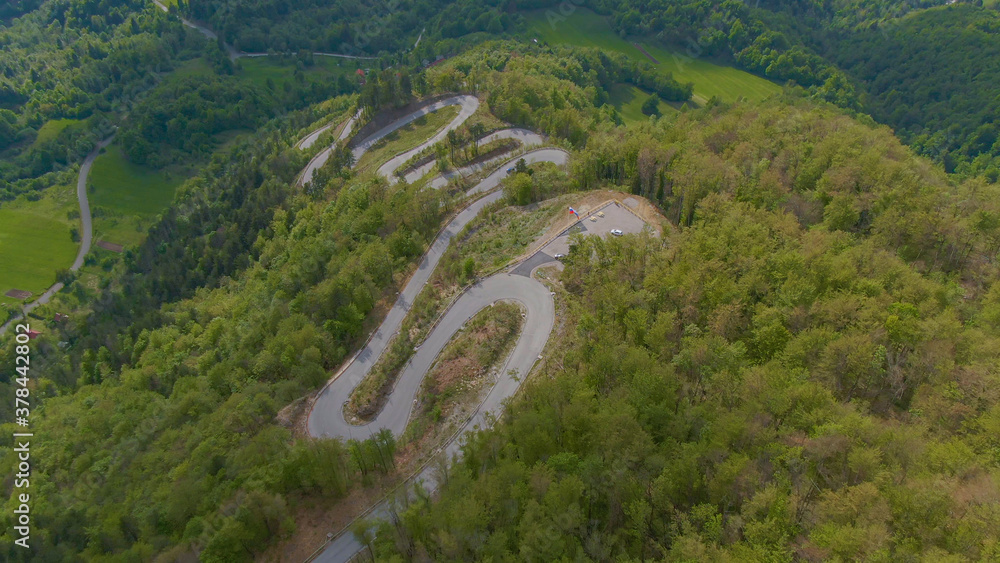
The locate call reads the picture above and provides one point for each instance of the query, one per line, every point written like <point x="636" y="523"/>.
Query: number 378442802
<point x="22" y="363"/>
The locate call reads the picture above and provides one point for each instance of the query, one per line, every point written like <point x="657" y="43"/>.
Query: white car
<point x="617" y="232"/>
<point x="559" y="256"/>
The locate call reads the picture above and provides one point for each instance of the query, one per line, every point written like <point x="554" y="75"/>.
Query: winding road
<point x="327" y="416"/>
<point x="467" y="106"/>
<point x="527" y="139"/>
<point x="81" y="194"/>
<point x="309" y="140"/>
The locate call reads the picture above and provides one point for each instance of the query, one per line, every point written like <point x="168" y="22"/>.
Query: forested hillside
<point x="169" y="394"/>
<point x="802" y="367"/>
<point x="65" y="68"/>
<point x="867" y="56"/>
<point x="933" y="78"/>
<point x="925" y="70"/>
<point x="801" y="370"/>
<point x="344" y="26"/>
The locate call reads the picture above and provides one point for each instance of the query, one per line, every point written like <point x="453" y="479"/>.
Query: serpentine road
<point x="467" y="106"/>
<point x="525" y="137"/>
<point x="309" y="140"/>
<point x="327" y="416"/>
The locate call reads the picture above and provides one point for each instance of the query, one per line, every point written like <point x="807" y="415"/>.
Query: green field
<point x="51" y="129"/>
<point x="35" y="241"/>
<point x="628" y="100"/>
<point x="279" y="71"/>
<point x="125" y="196"/>
<point x="586" y="29"/>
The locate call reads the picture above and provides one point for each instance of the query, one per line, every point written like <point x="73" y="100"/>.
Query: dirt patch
<point x="110" y="246"/>
<point x="645" y="52"/>
<point x="453" y="372"/>
<point x="18" y="294"/>
<point x="315" y="518"/>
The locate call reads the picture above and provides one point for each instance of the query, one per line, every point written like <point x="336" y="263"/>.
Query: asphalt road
<point x="309" y="140"/>
<point x="556" y="156"/>
<point x="469" y="105"/>
<point x="327" y="416"/>
<point x="527" y="139"/>
<point x="87" y="231"/>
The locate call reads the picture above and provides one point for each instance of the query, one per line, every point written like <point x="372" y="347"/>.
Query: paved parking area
<point x="600" y="223"/>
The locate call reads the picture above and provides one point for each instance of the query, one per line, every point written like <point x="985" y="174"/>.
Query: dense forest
<point x="65" y="69"/>
<point x="344" y="26"/>
<point x="179" y="119"/>
<point x="785" y="374"/>
<point x="933" y="76"/>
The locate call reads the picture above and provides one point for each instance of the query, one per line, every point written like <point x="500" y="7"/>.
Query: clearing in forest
<point x="584" y="28"/>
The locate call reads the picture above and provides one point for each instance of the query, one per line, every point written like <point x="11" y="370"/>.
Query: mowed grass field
<point x="628" y="99"/>
<point x="586" y="29"/>
<point x="323" y="69"/>
<point x="35" y="241"/>
<point x="124" y="196"/>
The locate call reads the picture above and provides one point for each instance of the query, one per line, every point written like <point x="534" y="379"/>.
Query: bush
<point x="652" y="105"/>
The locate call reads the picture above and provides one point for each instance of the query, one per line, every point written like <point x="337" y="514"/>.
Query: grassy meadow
<point x="586" y="29"/>
<point x="35" y="240"/>
<point x="124" y="196"/>
<point x="53" y="127"/>
<point x="628" y="100"/>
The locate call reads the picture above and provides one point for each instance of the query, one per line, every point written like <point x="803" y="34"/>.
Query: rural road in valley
<point x="233" y="53"/>
<point x="86" y="232"/>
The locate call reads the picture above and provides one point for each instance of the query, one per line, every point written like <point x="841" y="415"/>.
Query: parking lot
<point x="600" y="222"/>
